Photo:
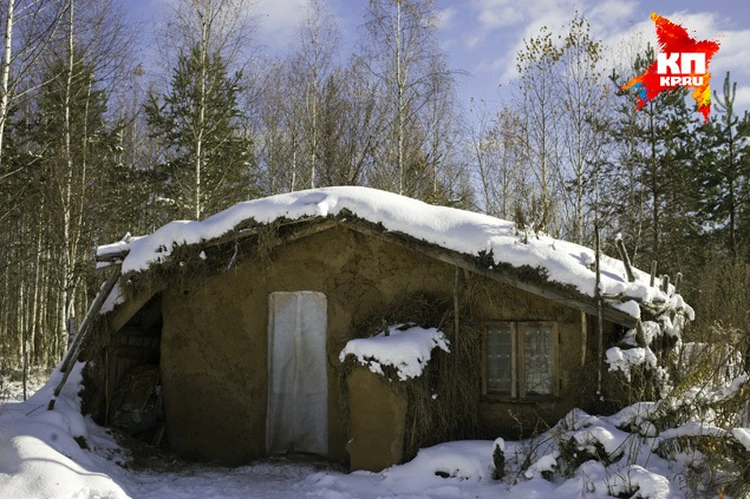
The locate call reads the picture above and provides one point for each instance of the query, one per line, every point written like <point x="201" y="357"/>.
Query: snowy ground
<point x="40" y="457"/>
<point x="11" y="384"/>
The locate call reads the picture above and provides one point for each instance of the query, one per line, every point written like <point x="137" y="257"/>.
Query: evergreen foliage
<point x="199" y="122"/>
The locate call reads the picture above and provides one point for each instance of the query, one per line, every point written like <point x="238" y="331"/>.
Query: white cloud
<point x="278" y="19"/>
<point x="493" y="14"/>
<point x="500" y="16"/>
<point x="624" y="31"/>
<point x="612" y="15"/>
<point x="506" y="23"/>
<point x="742" y="99"/>
<point x="445" y="17"/>
<point x="474" y="40"/>
<point x="733" y="54"/>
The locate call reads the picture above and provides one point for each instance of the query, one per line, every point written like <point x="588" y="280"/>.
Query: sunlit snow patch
<point x="407" y="349"/>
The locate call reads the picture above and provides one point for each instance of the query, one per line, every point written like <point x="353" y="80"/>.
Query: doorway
<point x="297" y="417"/>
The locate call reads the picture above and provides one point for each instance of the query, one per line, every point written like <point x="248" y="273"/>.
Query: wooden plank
<point x="136" y="331"/>
<point x="625" y="260"/>
<point x="456" y="319"/>
<point x="653" y="273"/>
<point x="127" y="310"/>
<point x="665" y="284"/>
<point x="114" y="256"/>
<point x="136" y="353"/>
<point x="122" y="365"/>
<point x="485" y="367"/>
<point x="497" y="274"/>
<point x="107" y="377"/>
<point x="584" y="337"/>
<point x="75" y="349"/>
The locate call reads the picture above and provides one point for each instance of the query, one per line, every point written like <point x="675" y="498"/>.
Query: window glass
<point x="499" y="362"/>
<point x="539" y="360"/>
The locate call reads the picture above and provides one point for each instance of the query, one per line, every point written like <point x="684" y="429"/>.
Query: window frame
<point x="518" y="361"/>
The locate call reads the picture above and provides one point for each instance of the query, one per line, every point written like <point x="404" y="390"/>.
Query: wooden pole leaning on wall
<point x="584" y="336"/>
<point x="456" y="320"/>
<point x="665" y="283"/>
<point x="75" y="347"/>
<point x="625" y="259"/>
<point x="677" y="283"/>
<point x="653" y="274"/>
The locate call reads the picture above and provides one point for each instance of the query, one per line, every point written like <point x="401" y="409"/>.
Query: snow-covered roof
<point x="461" y="231"/>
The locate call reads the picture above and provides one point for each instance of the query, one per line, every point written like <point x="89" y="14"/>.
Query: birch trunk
<point x="34" y="325"/>
<point x="201" y="113"/>
<point x="399" y="99"/>
<point x="67" y="297"/>
<point x="5" y="71"/>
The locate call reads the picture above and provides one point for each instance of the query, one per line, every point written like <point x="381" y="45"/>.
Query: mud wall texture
<point x="378" y="410"/>
<point x="215" y="337"/>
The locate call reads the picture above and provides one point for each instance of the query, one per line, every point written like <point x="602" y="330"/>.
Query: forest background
<point x="96" y="143"/>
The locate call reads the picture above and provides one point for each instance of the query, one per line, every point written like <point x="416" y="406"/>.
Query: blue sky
<point x="482" y="37"/>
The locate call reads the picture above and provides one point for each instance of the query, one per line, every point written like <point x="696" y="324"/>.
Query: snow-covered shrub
<point x="702" y="422"/>
<point x="574" y="452"/>
<point x="624" y="455"/>
<point x="707" y="427"/>
<point x="640" y="366"/>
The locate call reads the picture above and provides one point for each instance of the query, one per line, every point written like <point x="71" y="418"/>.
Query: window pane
<point x="499" y="360"/>
<point x="539" y="360"/>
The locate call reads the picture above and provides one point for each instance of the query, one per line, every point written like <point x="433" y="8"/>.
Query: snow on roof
<point x="407" y="349"/>
<point x="458" y="230"/>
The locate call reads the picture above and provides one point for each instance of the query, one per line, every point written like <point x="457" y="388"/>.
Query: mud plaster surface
<point x="215" y="336"/>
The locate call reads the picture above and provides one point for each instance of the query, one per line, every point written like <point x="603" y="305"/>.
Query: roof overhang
<point x="290" y="231"/>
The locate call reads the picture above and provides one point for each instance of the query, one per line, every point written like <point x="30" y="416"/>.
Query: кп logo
<point x="689" y="65"/>
<point x="681" y="61"/>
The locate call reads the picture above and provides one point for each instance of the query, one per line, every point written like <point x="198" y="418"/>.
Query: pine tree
<point x="723" y="169"/>
<point x="69" y="146"/>
<point x="207" y="163"/>
<point x="648" y="192"/>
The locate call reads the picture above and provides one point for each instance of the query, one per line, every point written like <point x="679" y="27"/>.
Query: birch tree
<point x="401" y="52"/>
<point x="584" y="106"/>
<point x="540" y="112"/>
<point x="350" y="128"/>
<point x="60" y="131"/>
<point x="312" y="67"/>
<point x="39" y="24"/>
<point x="496" y="156"/>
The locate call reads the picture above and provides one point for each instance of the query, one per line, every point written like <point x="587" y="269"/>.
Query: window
<point x="520" y="360"/>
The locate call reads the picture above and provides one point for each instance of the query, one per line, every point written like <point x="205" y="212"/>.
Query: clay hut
<point x="354" y="324"/>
